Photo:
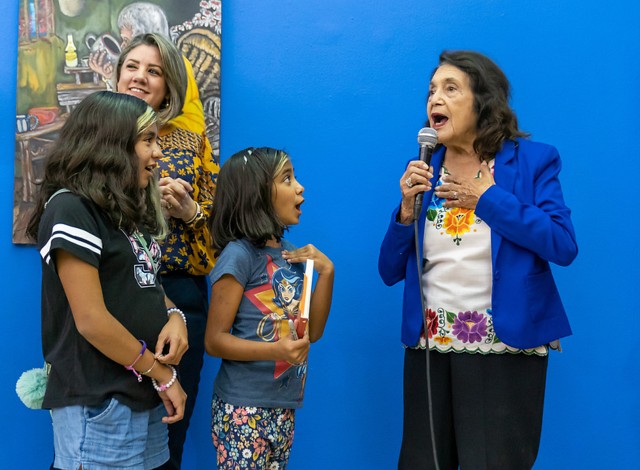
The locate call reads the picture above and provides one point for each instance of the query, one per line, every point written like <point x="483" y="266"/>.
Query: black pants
<point x="487" y="410"/>
<point x="190" y="294"/>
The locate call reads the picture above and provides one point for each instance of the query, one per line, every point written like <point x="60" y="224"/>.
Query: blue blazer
<point x="530" y="227"/>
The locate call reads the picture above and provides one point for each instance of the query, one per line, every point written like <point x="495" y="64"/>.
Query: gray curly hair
<point x="142" y="18"/>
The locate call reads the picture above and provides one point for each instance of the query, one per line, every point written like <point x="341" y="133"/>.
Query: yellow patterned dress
<point x="188" y="156"/>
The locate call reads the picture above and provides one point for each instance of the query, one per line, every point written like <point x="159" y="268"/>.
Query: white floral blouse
<point x="457" y="282"/>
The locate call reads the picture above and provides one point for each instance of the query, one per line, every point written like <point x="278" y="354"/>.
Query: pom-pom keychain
<point x="31" y="387"/>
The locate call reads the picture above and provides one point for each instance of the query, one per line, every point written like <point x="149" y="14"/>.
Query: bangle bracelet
<point x="135" y="372"/>
<point x="198" y="210"/>
<point x="177" y="310"/>
<point x="146" y="372"/>
<point x="162" y="388"/>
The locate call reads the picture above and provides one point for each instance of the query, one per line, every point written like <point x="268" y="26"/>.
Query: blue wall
<point x="340" y="84"/>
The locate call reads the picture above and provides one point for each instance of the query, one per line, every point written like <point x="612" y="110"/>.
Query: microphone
<point x="427" y="138"/>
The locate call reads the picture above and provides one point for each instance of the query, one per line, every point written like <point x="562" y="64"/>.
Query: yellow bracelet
<point x="146" y="372"/>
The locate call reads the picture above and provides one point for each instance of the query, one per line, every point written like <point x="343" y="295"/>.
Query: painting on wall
<point x="67" y="50"/>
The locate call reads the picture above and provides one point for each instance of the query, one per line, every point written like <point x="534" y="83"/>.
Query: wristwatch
<point x="198" y="220"/>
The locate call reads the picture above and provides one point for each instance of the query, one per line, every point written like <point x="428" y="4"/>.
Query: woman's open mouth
<point x="438" y="120"/>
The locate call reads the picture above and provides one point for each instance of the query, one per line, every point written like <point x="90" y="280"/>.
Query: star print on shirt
<point x="270" y="327"/>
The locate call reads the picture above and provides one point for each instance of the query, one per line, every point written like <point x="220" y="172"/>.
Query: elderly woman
<point x="484" y="304"/>
<point x="151" y="68"/>
<point x="134" y="19"/>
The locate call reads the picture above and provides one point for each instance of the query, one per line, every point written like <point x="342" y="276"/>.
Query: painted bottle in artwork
<point x="70" y="54"/>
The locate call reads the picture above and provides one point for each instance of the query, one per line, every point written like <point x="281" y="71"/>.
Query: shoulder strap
<point x="59" y="191"/>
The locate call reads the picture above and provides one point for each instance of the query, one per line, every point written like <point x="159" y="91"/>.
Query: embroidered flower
<point x="470" y="327"/>
<point x="435" y="206"/>
<point x="432" y="323"/>
<point x="458" y="221"/>
<point x="436" y="202"/>
<point x="443" y="340"/>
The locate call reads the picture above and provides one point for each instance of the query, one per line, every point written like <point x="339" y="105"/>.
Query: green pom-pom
<point x="31" y="386"/>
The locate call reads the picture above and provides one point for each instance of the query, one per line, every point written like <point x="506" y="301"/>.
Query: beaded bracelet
<point x="162" y="388"/>
<point x="131" y="368"/>
<point x="177" y="310"/>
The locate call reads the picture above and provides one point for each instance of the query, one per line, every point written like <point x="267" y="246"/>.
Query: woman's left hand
<point x="465" y="192"/>
<point x="175" y="335"/>
<point x="176" y="198"/>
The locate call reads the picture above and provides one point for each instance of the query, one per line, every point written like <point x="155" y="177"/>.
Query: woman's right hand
<point x="415" y="179"/>
<point x="294" y="351"/>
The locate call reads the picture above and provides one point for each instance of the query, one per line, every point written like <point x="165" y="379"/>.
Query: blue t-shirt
<point x="272" y="291"/>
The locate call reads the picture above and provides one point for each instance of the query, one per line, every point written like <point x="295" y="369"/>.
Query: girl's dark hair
<point x="95" y="158"/>
<point x="243" y="207"/>
<point x="491" y="91"/>
<point x="174" y="69"/>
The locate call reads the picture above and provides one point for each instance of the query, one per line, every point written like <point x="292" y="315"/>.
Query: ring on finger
<point x="408" y="182"/>
<point x="455" y="194"/>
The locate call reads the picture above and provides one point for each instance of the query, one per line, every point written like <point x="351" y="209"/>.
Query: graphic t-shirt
<point x="80" y="374"/>
<point x="272" y="292"/>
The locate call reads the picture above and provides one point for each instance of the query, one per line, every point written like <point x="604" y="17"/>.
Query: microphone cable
<point x="427" y="350"/>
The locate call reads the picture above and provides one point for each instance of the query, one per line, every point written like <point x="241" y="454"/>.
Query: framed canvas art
<point x="67" y="50"/>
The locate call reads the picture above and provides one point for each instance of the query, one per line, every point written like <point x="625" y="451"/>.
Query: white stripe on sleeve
<point x="74" y="235"/>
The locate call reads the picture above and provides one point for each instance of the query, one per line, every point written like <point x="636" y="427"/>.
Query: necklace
<point x="145" y="247"/>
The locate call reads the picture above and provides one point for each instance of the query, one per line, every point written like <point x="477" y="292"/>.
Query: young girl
<point x="104" y="312"/>
<point x="261" y="379"/>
